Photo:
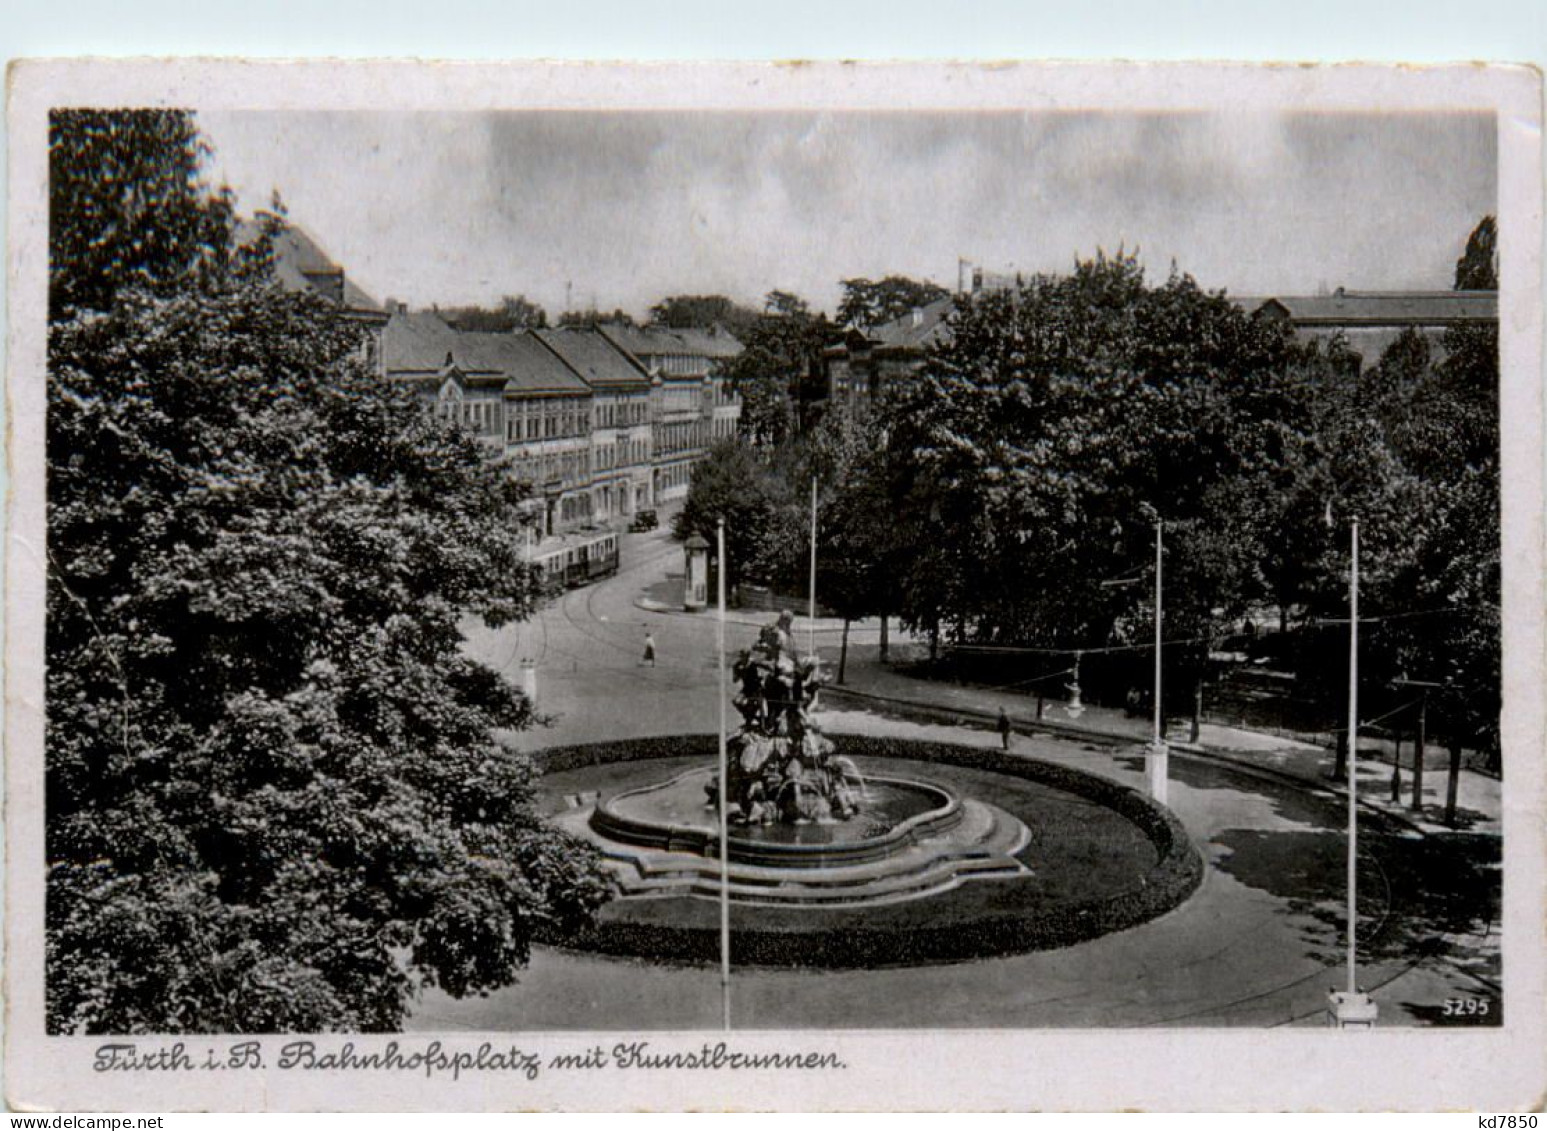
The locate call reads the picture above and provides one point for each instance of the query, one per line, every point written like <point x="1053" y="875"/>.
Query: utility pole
<point x="1352" y="1008"/>
<point x="1156" y="758"/>
<point x="725" y="847"/>
<point x="1421" y="738"/>
<point x="811" y="614"/>
<point x="1353" y="756"/>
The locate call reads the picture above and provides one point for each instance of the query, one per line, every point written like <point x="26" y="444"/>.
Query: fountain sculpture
<point x="780" y="766"/>
<point x="806" y="830"/>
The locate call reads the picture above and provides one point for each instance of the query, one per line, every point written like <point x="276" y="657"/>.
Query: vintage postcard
<point x="774" y="587"/>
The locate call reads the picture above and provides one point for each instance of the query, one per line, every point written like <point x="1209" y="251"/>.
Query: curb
<point x="1049" y="726"/>
<point x="823" y="625"/>
<point x="1197" y="750"/>
<point x="847" y="938"/>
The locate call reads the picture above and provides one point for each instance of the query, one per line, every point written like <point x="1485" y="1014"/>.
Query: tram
<point x="578" y="561"/>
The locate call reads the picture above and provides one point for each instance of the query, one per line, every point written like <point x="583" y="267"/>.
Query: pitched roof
<point x="716" y="343"/>
<point x="643" y="342"/>
<point x="1383" y="308"/>
<point x="421" y="344"/>
<point x="300" y="264"/>
<point x="527" y="365"/>
<point x="600" y="363"/>
<point x="917" y="329"/>
<point x="416" y="342"/>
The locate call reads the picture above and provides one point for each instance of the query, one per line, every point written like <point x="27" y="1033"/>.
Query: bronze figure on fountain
<point x="779" y="764"/>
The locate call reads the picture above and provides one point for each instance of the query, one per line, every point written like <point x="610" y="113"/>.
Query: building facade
<point x="622" y="451"/>
<point x="715" y="349"/>
<point x="510" y="392"/>
<point x="865" y="361"/>
<point x="600" y="423"/>
<point x="690" y="403"/>
<point x="1369" y="321"/>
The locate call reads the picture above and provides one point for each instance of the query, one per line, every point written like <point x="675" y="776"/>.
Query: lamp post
<point x="811" y="614"/>
<point x="725" y="894"/>
<point x="1158" y="755"/>
<point x="1352" y="1008"/>
<point x="1076" y="706"/>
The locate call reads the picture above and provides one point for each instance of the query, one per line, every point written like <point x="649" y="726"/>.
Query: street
<point x="1258" y="945"/>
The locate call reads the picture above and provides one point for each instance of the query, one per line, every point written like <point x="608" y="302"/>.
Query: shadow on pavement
<point x="1419" y="897"/>
<point x="667" y="591"/>
<point x="1290" y="801"/>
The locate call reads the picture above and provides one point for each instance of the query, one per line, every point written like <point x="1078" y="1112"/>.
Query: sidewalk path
<point x="881" y="688"/>
<point x="884" y="689"/>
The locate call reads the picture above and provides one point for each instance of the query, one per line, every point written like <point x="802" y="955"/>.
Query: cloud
<point x="629" y="207"/>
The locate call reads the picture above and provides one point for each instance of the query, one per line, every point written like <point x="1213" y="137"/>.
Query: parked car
<point x="644" y="520"/>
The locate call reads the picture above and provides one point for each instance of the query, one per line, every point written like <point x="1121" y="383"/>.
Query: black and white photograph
<point x="546" y="587"/>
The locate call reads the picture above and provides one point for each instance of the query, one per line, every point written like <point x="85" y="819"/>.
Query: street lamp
<point x="1352" y="1008"/>
<point x="1157" y="755"/>
<point x="1075" y="708"/>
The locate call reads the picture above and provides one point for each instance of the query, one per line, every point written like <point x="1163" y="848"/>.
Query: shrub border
<point x="1176" y="876"/>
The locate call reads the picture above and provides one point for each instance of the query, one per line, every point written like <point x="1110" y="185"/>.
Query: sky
<point x="576" y="209"/>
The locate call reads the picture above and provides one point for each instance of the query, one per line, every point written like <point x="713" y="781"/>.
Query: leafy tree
<point x="1478" y="267"/>
<point x="682" y="312"/>
<point x="1031" y="448"/>
<point x="589" y="319"/>
<point x="740" y="485"/>
<point x="1438" y="417"/>
<point x="867" y="303"/>
<point x="786" y="305"/>
<point x="275" y="796"/>
<point x="128" y="207"/>
<point x="779" y="371"/>
<point x="514" y="312"/>
<point x="856" y="551"/>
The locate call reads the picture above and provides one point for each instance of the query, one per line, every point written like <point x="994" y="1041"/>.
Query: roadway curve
<point x="1258" y="945"/>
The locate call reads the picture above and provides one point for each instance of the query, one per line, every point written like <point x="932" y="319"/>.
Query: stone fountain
<point x="805" y="825"/>
<point x="780" y="765"/>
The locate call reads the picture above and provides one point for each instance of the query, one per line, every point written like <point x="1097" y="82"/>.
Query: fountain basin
<point x="1101" y="857"/>
<point x="674" y="816"/>
<point x="912" y="840"/>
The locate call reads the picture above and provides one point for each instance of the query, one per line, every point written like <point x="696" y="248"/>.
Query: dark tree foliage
<point x="590" y="319"/>
<point x="1031" y="457"/>
<point x="871" y="303"/>
<point x="275" y="798"/>
<point x="514" y="312"/>
<point x="779" y="372"/>
<point x="128" y="207"/>
<point x="1034" y="450"/>
<point x="1478" y="267"/>
<point x="702" y="312"/>
<point x="859" y="553"/>
<point x="755" y="496"/>
<point x="1436" y="415"/>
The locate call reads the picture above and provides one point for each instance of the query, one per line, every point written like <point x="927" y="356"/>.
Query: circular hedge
<point x="686" y="929"/>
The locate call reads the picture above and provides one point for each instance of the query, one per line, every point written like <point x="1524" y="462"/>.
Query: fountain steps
<point x="982" y="845"/>
<point x="945" y="876"/>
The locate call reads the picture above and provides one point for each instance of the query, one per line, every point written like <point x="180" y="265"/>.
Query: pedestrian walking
<point x="1004" y="728"/>
<point x="649" y="650"/>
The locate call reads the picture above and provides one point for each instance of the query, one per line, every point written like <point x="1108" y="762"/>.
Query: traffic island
<point x="1042" y="856"/>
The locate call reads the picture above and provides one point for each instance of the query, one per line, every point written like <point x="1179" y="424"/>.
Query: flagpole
<point x="725" y="896"/>
<point x="1155" y="762"/>
<point x="1353" y="751"/>
<point x="1159" y="564"/>
<point x="811" y="614"/>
